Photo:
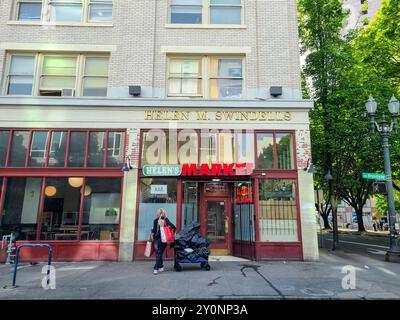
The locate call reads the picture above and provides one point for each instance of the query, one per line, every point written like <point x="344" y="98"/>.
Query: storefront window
<point x="278" y="210"/>
<point x="244" y="211"/>
<point x="101" y="209"/>
<point x="265" y="150"/>
<point x="19" y="147"/>
<point x="115" y="149"/>
<point x="244" y="147"/>
<point x="155" y="194"/>
<point x="188" y="146"/>
<point x="190" y="203"/>
<point x="21" y="208"/>
<point x="58" y="148"/>
<point x="284" y="150"/>
<point x="77" y="149"/>
<point x="159" y="147"/>
<point x="226" y="147"/>
<point x="37" y="156"/>
<point x="208" y="147"/>
<point x="4" y="138"/>
<point x="97" y="143"/>
<point x="62" y="200"/>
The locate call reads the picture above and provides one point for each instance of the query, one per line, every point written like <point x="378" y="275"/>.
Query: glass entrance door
<point x="216" y="221"/>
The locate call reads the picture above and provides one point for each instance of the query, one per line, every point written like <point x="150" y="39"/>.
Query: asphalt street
<point x="369" y="245"/>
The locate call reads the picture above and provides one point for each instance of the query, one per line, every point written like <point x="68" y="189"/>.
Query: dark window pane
<point x="265" y="150"/>
<point x="29" y="11"/>
<point x="277" y="210"/>
<point x="62" y="200"/>
<point x="21" y="207"/>
<point x="58" y="148"/>
<point x="77" y="149"/>
<point x="284" y="150"/>
<point x="97" y="141"/>
<point x="19" y="148"/>
<point x="4" y="139"/>
<point x="37" y="156"/>
<point x="115" y="150"/>
<point x="101" y="209"/>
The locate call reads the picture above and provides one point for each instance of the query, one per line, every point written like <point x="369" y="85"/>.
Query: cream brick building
<point x="67" y="110"/>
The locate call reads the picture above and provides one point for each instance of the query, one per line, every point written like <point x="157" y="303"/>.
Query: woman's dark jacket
<point x="156" y="229"/>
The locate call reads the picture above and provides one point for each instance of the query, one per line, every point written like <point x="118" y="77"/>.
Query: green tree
<point x="340" y="85"/>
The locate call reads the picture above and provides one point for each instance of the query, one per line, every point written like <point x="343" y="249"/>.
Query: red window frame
<point x="48" y="146"/>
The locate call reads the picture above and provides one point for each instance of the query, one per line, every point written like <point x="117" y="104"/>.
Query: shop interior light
<point x="50" y="191"/>
<point x="88" y="191"/>
<point x="75" y="182"/>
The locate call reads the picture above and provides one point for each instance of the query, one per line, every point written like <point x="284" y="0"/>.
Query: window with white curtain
<point x="64" y="11"/>
<point x="227" y="12"/>
<point x="206" y="77"/>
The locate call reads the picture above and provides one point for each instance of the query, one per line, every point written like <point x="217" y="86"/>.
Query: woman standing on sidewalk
<point x="159" y="246"/>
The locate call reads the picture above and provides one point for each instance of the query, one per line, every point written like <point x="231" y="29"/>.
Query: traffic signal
<point x="379" y="188"/>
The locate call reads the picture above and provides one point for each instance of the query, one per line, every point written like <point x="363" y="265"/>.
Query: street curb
<point x="366" y="234"/>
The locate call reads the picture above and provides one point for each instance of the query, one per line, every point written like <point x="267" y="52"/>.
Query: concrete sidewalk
<point x="227" y="280"/>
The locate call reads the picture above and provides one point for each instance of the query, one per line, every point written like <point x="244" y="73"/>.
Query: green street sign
<point x="162" y="170"/>
<point x="374" y="176"/>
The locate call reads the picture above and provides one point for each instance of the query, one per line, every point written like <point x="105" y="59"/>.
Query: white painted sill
<point x="58" y="24"/>
<point x="205" y="26"/>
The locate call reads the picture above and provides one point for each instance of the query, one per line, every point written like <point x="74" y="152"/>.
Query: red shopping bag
<point x="149" y="250"/>
<point x="167" y="234"/>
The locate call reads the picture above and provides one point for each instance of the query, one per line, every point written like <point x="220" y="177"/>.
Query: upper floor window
<point x="56" y="75"/>
<point x="207" y="77"/>
<point x="64" y="11"/>
<point x="206" y="12"/>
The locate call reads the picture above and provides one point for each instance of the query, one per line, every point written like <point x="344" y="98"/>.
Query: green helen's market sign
<point x="162" y="170"/>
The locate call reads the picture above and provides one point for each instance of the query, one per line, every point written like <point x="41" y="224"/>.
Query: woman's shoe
<point x="161" y="270"/>
<point x="155" y="271"/>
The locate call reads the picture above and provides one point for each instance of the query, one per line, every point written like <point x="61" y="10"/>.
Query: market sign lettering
<point x="190" y="170"/>
<point x="218" y="169"/>
<point x="174" y="115"/>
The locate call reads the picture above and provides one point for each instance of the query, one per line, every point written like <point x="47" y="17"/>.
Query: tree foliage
<point x="341" y="80"/>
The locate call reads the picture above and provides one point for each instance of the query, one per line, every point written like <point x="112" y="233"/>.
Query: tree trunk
<point x="360" y="220"/>
<point x="326" y="221"/>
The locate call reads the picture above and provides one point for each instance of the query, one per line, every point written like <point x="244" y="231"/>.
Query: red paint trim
<point x="67" y="148"/>
<point x="10" y="138"/>
<point x="2" y="197"/>
<point x="93" y="250"/>
<point x="48" y="145"/>
<point x="256" y="211"/>
<point x="61" y="172"/>
<point x="41" y="207"/>
<point x="106" y="149"/>
<point x="179" y="191"/>
<point x="85" y="162"/>
<point x="28" y="149"/>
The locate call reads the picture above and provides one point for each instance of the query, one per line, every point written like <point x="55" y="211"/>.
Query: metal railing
<point x="34" y="246"/>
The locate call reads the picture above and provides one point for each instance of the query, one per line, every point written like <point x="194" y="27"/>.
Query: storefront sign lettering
<point x="218" y="169"/>
<point x="162" y="170"/>
<point x="174" y="115"/>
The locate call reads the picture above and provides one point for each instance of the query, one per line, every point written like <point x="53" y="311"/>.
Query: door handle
<point x="226" y="225"/>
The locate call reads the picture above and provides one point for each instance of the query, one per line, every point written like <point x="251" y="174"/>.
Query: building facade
<point x="110" y="110"/>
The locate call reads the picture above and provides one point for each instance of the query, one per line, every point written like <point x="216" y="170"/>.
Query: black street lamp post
<point x="335" y="235"/>
<point x="384" y="129"/>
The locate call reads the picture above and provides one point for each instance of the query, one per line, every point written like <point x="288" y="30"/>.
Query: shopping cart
<point x="203" y="262"/>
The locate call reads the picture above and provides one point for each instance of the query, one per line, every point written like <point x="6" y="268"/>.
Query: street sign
<point x="374" y="176"/>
